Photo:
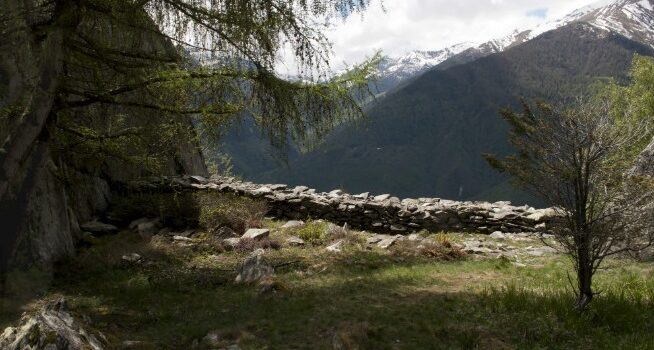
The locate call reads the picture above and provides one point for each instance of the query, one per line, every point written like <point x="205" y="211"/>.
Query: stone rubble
<point x="256" y="233"/>
<point x="381" y="213"/>
<point x="52" y="328"/>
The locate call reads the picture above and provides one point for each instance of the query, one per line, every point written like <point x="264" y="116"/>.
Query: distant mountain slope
<point x="426" y="139"/>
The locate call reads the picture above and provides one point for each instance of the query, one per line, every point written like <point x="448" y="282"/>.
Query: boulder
<point x="254" y="269"/>
<point x="256" y="233"/>
<point x="293" y="224"/>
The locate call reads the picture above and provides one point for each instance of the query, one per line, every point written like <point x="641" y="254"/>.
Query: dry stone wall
<point x="380" y="213"/>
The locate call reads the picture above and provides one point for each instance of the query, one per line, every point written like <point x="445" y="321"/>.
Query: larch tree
<point x="84" y="78"/>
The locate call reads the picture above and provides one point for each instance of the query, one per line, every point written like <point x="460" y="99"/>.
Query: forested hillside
<point x="427" y="138"/>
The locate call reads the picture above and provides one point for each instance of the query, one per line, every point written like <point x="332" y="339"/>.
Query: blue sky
<point x="539" y="12"/>
<point x="408" y="25"/>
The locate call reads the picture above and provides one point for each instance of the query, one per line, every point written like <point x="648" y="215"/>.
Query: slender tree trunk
<point x="584" y="275"/>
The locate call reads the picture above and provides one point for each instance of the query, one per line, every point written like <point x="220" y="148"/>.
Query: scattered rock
<point x="225" y="232"/>
<point x="293" y="224"/>
<point x="336" y="247"/>
<point x="376" y="239"/>
<point x="231" y="242"/>
<point x="132" y="258"/>
<point x="134" y="224"/>
<point x="213" y="340"/>
<point x="387" y="243"/>
<point x="497" y="235"/>
<point x="541" y="251"/>
<point x="295" y="241"/>
<point x="332" y="230"/>
<point x="256" y="233"/>
<point x="52" y="328"/>
<point x="254" y="269"/>
<point x="97" y="227"/>
<point x="414" y="237"/>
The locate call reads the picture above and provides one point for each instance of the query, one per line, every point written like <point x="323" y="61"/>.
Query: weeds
<point x="239" y="213"/>
<point x="313" y="232"/>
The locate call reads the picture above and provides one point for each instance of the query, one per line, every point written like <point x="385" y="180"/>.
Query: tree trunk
<point x="46" y="68"/>
<point x="584" y="276"/>
<point x="23" y="151"/>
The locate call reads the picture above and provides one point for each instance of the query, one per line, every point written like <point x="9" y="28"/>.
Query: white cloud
<point x="434" y="24"/>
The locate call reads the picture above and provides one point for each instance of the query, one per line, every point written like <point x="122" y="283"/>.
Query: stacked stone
<point x="382" y="213"/>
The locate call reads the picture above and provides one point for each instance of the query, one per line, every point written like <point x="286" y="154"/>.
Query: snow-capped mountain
<point x="416" y="61"/>
<point x="633" y="19"/>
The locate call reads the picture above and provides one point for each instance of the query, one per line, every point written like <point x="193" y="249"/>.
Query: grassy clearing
<point x="367" y="299"/>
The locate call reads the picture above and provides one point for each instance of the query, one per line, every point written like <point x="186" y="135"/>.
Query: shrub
<point x="313" y="232"/>
<point x="238" y="213"/>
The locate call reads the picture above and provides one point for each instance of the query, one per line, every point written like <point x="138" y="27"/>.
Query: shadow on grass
<point x="403" y="302"/>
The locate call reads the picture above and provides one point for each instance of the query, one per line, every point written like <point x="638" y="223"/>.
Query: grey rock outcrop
<point x="254" y="269"/>
<point x="52" y="328"/>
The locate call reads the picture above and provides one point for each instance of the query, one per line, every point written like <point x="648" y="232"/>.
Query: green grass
<point x="399" y="302"/>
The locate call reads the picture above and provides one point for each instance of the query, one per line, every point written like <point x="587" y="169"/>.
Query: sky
<point x="401" y="26"/>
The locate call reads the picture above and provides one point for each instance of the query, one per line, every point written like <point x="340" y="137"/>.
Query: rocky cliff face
<point x="63" y="199"/>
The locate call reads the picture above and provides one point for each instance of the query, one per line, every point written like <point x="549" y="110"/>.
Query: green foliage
<point x="147" y="80"/>
<point x="238" y="213"/>
<point x="313" y="232"/>
<point x="633" y="103"/>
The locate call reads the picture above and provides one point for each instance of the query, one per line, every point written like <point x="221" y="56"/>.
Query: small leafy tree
<point x="574" y="158"/>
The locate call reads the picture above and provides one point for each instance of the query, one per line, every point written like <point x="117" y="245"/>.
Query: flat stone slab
<point x="256" y="233"/>
<point x="293" y="224"/>
<point x="295" y="241"/>
<point x="98" y="227"/>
